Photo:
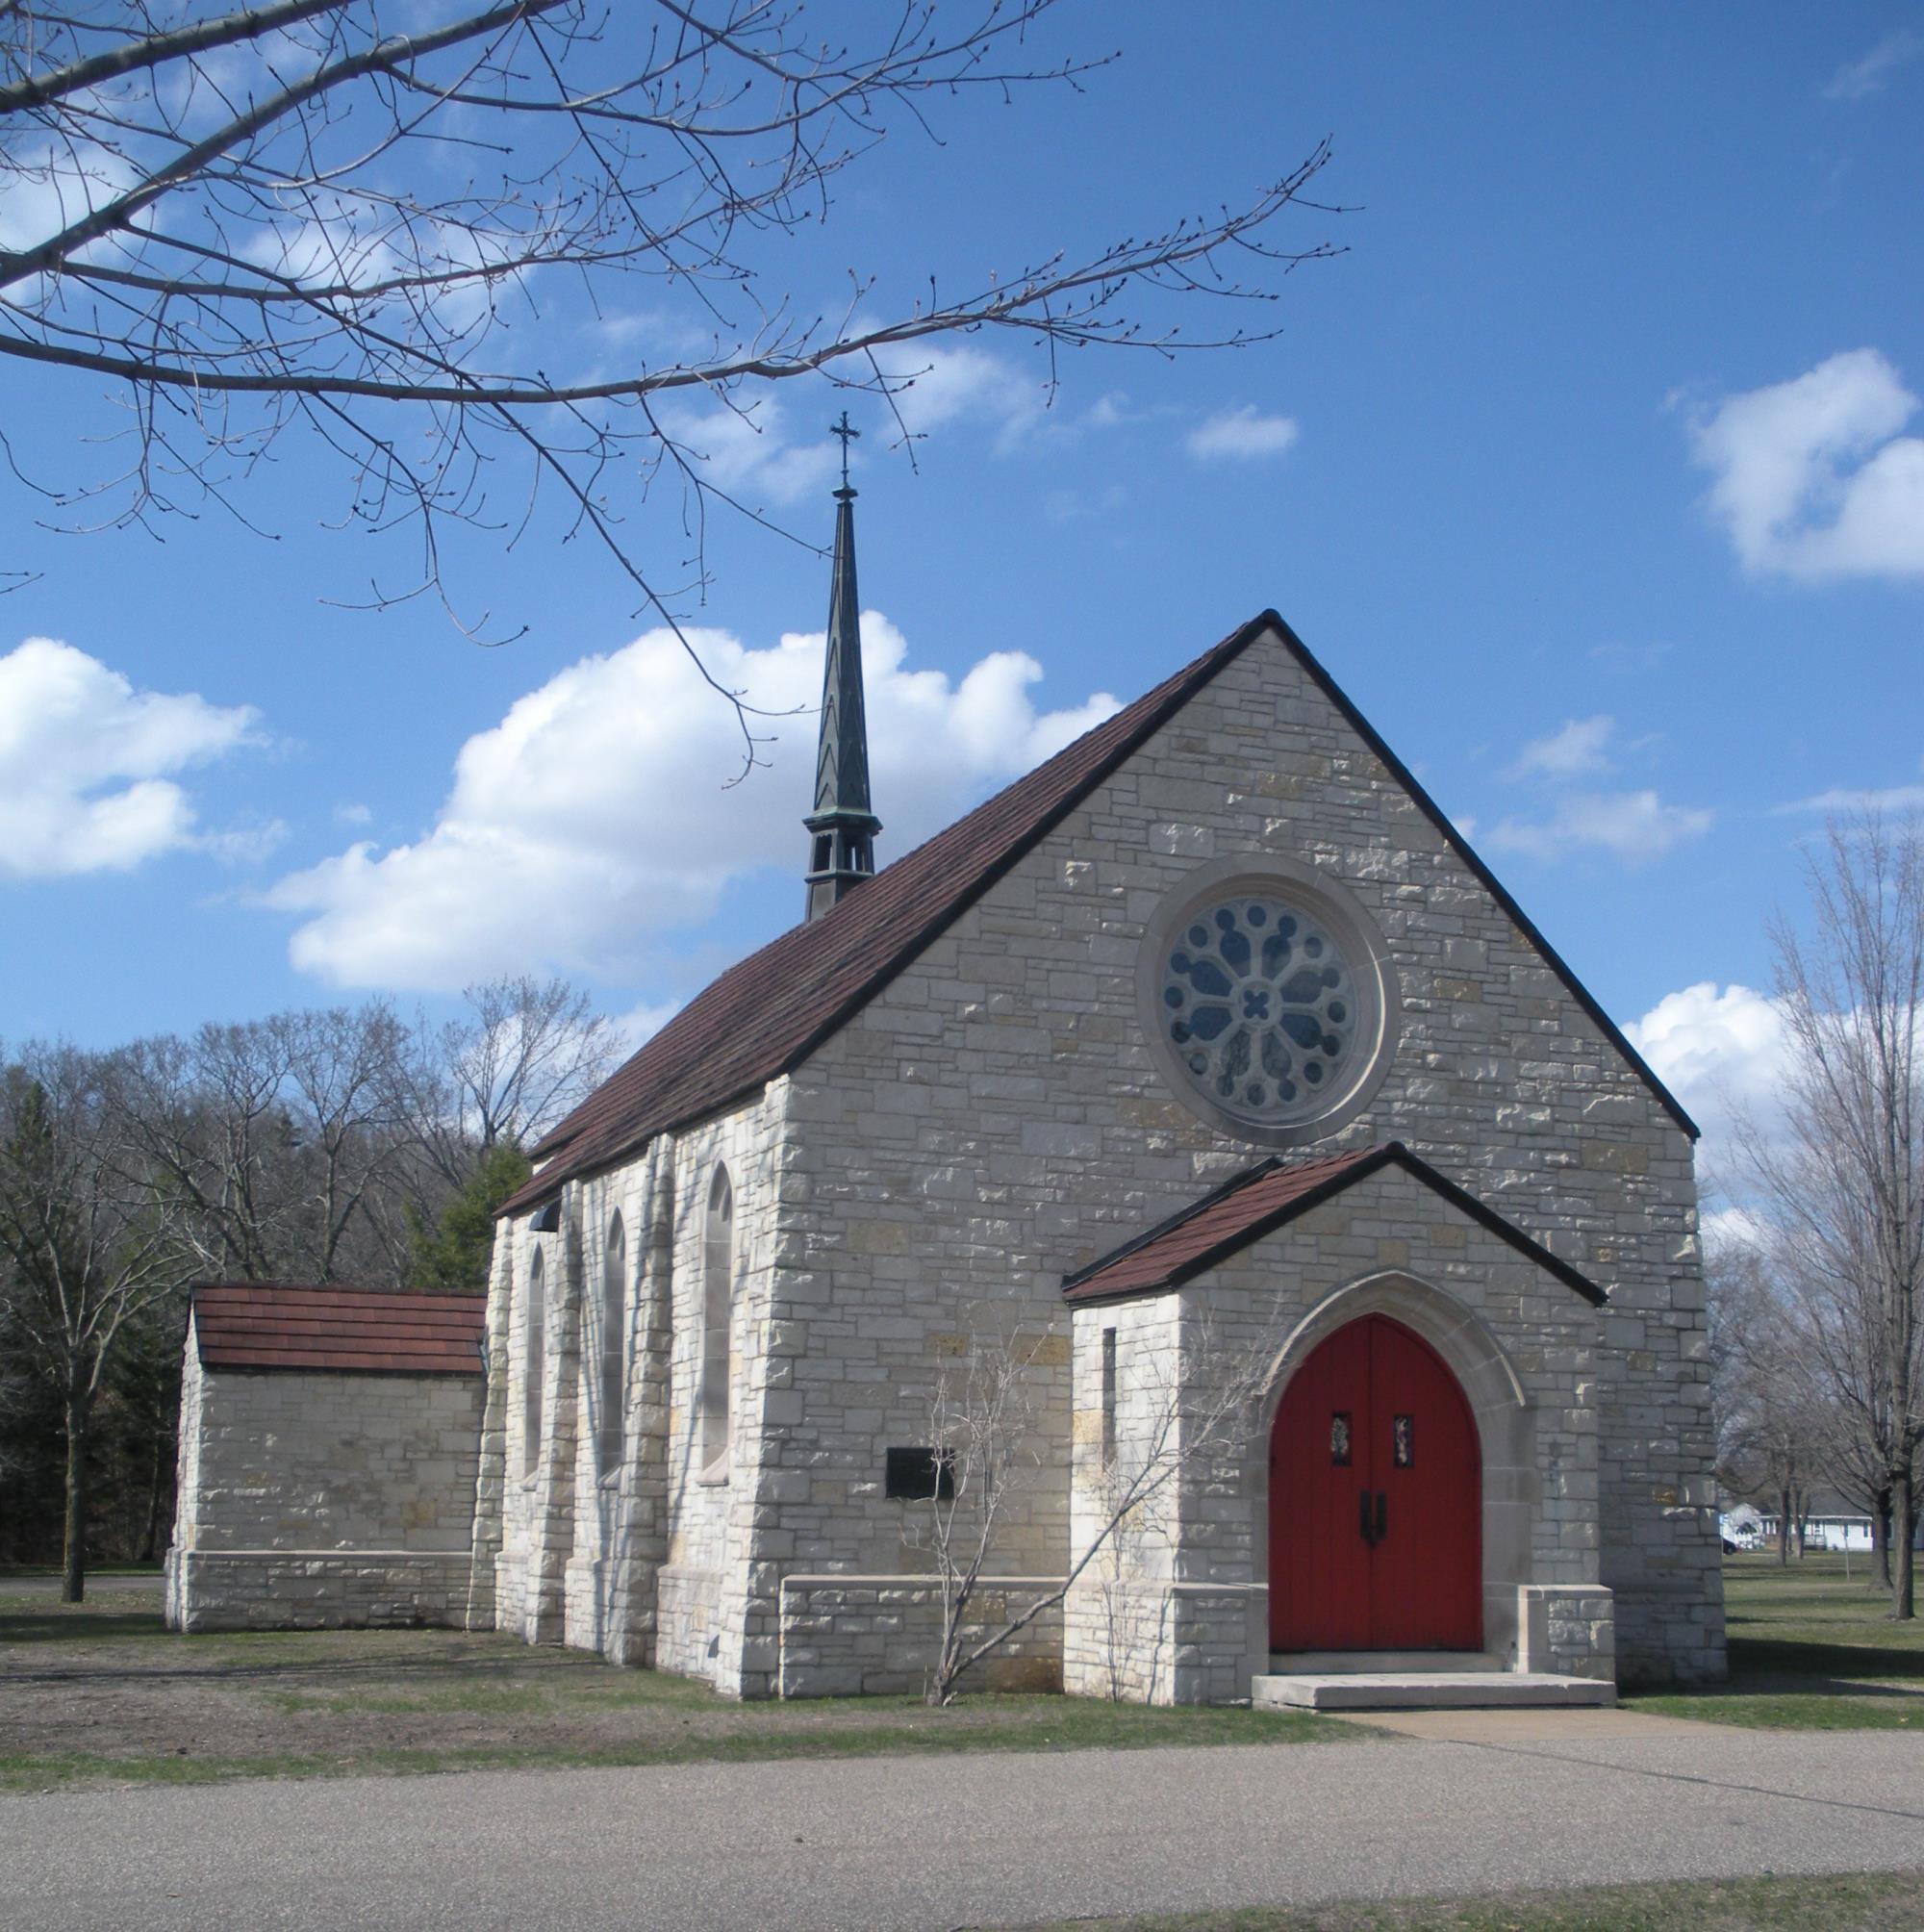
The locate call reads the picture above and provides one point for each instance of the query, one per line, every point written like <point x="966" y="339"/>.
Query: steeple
<point x="842" y="829"/>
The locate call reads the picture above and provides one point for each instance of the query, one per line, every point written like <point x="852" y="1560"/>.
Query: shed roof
<point x="278" y="1324"/>
<point x="1267" y="1196"/>
<point x="765" y="1015"/>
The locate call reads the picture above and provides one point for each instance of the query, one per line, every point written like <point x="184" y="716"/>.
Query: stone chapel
<point x="1211" y="1027"/>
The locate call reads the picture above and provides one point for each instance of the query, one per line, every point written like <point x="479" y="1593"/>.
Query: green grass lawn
<point x="1856" y="1902"/>
<point x="1813" y="1647"/>
<point x="100" y="1692"/>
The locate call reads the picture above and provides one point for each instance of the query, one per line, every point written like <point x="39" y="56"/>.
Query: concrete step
<point x="1377" y="1663"/>
<point x="1428" y="1691"/>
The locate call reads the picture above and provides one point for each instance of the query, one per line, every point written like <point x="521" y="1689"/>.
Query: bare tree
<point x="86" y="1246"/>
<point x="1842" y="1188"/>
<point x="379" y="224"/>
<point x="474" y="1092"/>
<point x="525" y="1052"/>
<point x="1198" y="1401"/>
<point x="276" y="1138"/>
<point x="1776" y="1433"/>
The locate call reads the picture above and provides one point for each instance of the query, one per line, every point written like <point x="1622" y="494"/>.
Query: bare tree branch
<point x="409" y="246"/>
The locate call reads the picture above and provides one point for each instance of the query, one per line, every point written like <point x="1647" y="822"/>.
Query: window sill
<point x="714" y="1477"/>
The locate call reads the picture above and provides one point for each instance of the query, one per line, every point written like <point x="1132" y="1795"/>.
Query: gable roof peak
<point x="766" y="1014"/>
<point x="1264" y="1198"/>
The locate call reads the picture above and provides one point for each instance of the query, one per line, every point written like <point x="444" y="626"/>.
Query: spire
<point x="842" y="829"/>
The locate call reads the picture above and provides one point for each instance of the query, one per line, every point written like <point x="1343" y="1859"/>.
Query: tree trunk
<point x="73" y="1579"/>
<point x="1903" y="1534"/>
<point x="1783" y="1526"/>
<point x="151" y="1534"/>
<point x="1879" y="1536"/>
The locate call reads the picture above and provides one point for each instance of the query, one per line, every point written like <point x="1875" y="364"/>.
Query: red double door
<point x="1375" y="1500"/>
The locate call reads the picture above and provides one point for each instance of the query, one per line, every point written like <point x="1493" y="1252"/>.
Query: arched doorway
<point x="1375" y="1499"/>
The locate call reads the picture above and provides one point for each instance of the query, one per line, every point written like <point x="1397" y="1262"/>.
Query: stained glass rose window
<point x="1259" y="1004"/>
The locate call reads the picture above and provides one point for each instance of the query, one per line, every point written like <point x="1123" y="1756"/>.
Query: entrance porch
<point x="1409" y="1516"/>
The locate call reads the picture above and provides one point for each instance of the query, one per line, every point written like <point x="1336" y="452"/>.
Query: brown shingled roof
<point x="764" y="1016"/>
<point x="1266" y="1197"/>
<point x="274" y="1325"/>
<point x="772" y="1011"/>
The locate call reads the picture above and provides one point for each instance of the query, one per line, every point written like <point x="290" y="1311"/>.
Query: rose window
<point x="1258" y="1002"/>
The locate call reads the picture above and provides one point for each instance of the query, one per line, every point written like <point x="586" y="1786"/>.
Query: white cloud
<point x="1726" y="1227"/>
<point x="85" y="763"/>
<point x="1620" y="656"/>
<point x="246" y="844"/>
<point x="1705" y="1038"/>
<point x="1577" y="750"/>
<point x="1811" y="477"/>
<point x="1721" y="1051"/>
<point x="1635" y="827"/>
<point x="594" y="817"/>
<point x="756" y="452"/>
<point x="641" y="1023"/>
<point x="940" y="385"/>
<point x="1895" y="798"/>
<point x="1243" y="434"/>
<point x="51" y="185"/>
<point x="750" y="453"/>
<point x="1856" y="80"/>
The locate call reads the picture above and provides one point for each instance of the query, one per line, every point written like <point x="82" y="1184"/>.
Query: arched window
<point x="533" y="1366"/>
<point x="614" y="1356"/>
<point x="718" y="1297"/>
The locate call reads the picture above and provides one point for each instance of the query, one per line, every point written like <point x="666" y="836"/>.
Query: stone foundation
<point x="850" y="1636"/>
<point x="315" y="1590"/>
<point x="1567" y="1630"/>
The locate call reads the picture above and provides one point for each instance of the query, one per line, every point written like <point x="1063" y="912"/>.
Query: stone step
<point x="1377" y="1663"/>
<point x="1428" y="1691"/>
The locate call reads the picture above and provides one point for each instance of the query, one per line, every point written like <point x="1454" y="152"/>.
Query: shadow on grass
<point x="1777" y="1658"/>
<point x="79" y="1623"/>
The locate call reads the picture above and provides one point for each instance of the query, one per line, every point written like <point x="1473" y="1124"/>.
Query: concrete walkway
<point x="979" y="1840"/>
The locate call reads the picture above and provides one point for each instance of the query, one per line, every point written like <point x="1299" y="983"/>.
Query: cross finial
<point x="846" y="431"/>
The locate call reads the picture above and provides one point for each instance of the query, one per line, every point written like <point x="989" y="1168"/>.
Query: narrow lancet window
<point x="1109" y="1396"/>
<point x="718" y="1308"/>
<point x="613" y="1391"/>
<point x="534" y="1365"/>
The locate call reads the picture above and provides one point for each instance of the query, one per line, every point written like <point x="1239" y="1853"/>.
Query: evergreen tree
<point x="451" y="1256"/>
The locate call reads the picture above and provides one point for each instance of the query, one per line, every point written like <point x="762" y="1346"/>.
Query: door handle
<point x="1383" y="1512"/>
<point x="1363" y="1517"/>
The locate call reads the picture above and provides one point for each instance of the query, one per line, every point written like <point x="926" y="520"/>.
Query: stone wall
<point x="311" y="1498"/>
<point x="1568" y="1630"/>
<point x="848" y="1635"/>
<point x="648" y="1562"/>
<point x="315" y="1590"/>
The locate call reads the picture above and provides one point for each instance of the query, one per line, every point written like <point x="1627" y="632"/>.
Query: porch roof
<point x="1269" y="1196"/>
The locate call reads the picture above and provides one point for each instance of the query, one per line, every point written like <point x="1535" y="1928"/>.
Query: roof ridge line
<point x="1487" y="878"/>
<point x="1345" y="1172"/>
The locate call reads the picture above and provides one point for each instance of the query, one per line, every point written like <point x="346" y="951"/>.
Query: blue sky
<point x="1592" y="470"/>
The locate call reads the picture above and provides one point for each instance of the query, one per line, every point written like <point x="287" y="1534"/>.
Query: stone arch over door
<point x="1505" y="1419"/>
